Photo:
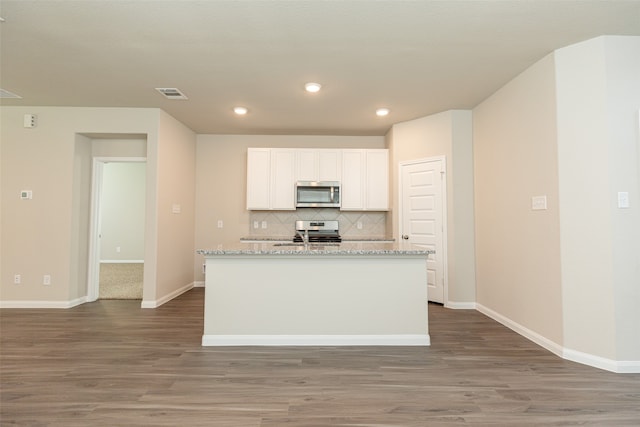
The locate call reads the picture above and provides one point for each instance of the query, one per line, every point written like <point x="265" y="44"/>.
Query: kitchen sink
<point x="311" y="245"/>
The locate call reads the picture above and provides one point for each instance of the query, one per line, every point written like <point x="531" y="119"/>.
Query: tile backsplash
<point x="282" y="223"/>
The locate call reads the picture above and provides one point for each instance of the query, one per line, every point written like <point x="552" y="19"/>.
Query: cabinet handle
<point x="405" y="236"/>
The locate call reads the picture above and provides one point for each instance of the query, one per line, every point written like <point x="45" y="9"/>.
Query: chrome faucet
<point x="304" y="237"/>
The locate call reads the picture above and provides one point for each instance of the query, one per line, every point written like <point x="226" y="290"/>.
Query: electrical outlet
<point x="46" y="280"/>
<point x="256" y="224"/>
<point x="264" y="224"/>
<point x="17" y="279"/>
<point x="117" y="249"/>
<point x="359" y="225"/>
<point x="220" y="223"/>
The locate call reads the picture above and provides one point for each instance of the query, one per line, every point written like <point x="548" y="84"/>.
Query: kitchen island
<point x="272" y="293"/>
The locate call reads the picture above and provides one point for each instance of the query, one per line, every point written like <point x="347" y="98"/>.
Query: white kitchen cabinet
<point x="377" y="180"/>
<point x="270" y="179"/>
<point x="352" y="189"/>
<point x="273" y="172"/>
<point x="258" y="178"/>
<point x="283" y="179"/>
<point x="329" y="165"/>
<point x="318" y="165"/>
<point x="365" y="180"/>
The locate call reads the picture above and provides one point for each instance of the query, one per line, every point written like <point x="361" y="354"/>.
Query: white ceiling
<point x="414" y="57"/>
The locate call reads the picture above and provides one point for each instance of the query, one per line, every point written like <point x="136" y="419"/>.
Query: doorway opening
<point x="118" y="224"/>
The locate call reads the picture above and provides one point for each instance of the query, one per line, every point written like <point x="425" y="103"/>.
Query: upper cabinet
<point x="377" y="180"/>
<point x="365" y="180"/>
<point x="273" y="172"/>
<point x="318" y="165"/>
<point x="270" y="179"/>
<point x="258" y="178"/>
<point x="352" y="184"/>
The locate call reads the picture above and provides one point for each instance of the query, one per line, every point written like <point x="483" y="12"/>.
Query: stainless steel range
<point x="318" y="231"/>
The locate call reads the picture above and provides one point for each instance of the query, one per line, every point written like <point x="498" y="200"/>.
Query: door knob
<point x="405" y="236"/>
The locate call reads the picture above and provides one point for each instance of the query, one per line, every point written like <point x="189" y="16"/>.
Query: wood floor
<point x="110" y="363"/>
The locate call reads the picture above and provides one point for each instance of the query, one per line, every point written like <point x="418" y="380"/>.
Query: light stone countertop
<point x="344" y="248"/>
<point x="289" y="238"/>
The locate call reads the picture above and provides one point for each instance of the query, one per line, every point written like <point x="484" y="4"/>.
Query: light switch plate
<point x="623" y="199"/>
<point x="176" y="208"/>
<point x="539" y="203"/>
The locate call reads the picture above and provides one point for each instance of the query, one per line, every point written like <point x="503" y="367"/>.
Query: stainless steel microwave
<point x="318" y="194"/>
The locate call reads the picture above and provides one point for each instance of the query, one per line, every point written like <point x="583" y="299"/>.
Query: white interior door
<point x="422" y="214"/>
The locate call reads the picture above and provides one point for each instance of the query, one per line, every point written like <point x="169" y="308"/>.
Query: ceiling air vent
<point x="7" y="94"/>
<point x="171" y="93"/>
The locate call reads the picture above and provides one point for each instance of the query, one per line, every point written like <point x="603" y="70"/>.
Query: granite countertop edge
<point x="289" y="239"/>
<point x="344" y="249"/>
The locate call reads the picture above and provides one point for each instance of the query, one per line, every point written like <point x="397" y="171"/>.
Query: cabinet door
<point x="329" y="165"/>
<point x="377" y="180"/>
<point x="283" y="179"/>
<point x="352" y="180"/>
<point x="258" y="178"/>
<point x="306" y="165"/>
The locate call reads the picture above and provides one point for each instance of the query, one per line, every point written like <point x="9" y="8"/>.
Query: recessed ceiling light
<point x="313" y="87"/>
<point x="382" y="112"/>
<point x="241" y="111"/>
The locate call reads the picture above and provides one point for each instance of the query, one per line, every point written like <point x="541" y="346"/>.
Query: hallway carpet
<point x="121" y="280"/>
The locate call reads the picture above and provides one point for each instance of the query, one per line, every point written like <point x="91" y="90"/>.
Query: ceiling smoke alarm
<point x="171" y="93"/>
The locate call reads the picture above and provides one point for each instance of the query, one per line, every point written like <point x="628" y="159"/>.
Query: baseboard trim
<point x="632" y="366"/>
<point x="461" y="305"/>
<point x="619" y="367"/>
<point x="157" y="303"/>
<point x="198" y="284"/>
<point x="527" y="333"/>
<point x="43" y="304"/>
<point x="316" y="340"/>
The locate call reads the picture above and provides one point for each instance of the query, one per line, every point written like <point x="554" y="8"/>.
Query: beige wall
<point x="80" y="219"/>
<point x="599" y="155"/>
<point x="518" y="249"/>
<point x="49" y="234"/>
<point x="447" y="134"/>
<point x="221" y="180"/>
<point x="176" y="186"/>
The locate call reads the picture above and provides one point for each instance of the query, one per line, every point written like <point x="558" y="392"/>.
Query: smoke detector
<point x="171" y="93"/>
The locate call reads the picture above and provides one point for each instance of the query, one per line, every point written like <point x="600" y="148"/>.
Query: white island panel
<point x="316" y="300"/>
